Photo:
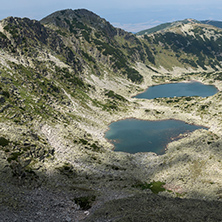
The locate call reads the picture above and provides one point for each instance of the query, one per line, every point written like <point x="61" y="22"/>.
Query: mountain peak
<point x="79" y="18"/>
<point x="69" y="13"/>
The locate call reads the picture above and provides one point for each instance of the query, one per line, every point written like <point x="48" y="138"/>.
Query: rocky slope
<point x="64" y="79"/>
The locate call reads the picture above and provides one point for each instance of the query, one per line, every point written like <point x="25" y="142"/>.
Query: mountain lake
<point x="192" y="88"/>
<point x="133" y="135"/>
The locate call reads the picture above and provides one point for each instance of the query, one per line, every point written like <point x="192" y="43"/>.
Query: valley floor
<point x="87" y="181"/>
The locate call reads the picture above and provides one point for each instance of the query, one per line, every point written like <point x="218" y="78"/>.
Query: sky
<point x="130" y="15"/>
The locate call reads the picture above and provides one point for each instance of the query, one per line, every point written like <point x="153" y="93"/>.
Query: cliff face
<point x="65" y="78"/>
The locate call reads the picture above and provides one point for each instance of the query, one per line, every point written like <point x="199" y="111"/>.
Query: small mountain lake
<point x="133" y="135"/>
<point x="191" y="88"/>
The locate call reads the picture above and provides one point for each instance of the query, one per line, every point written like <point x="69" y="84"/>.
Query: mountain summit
<point x="77" y="19"/>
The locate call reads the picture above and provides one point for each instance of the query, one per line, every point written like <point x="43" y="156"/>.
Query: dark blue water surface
<point x="132" y="135"/>
<point x="178" y="90"/>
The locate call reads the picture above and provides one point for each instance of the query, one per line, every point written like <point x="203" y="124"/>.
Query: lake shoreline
<point x="169" y="130"/>
<point x="173" y="83"/>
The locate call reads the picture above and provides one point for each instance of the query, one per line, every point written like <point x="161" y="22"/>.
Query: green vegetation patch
<point x="105" y="48"/>
<point x="110" y="106"/>
<point x="12" y="29"/>
<point x="113" y="95"/>
<point x="93" y="146"/>
<point x="3" y="141"/>
<point x="67" y="77"/>
<point x="67" y="169"/>
<point x="155" y="186"/>
<point x="6" y="94"/>
<point x="14" y="156"/>
<point x="83" y="141"/>
<point x="85" y="202"/>
<point x="3" y="35"/>
<point x="133" y="75"/>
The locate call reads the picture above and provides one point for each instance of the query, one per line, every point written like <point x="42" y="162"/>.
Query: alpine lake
<point x="133" y="135"/>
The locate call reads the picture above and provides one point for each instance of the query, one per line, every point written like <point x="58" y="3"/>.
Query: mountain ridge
<point x="169" y="25"/>
<point x="213" y="22"/>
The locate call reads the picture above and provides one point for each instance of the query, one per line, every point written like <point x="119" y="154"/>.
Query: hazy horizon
<point x="129" y="15"/>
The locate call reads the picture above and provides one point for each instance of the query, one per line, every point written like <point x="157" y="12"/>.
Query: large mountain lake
<point x="191" y="88"/>
<point x="133" y="135"/>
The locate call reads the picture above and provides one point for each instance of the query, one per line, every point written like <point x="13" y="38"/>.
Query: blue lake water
<point x="178" y="90"/>
<point x="133" y="135"/>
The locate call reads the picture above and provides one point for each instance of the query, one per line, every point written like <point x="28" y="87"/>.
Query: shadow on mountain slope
<point x="151" y="207"/>
<point x="65" y="196"/>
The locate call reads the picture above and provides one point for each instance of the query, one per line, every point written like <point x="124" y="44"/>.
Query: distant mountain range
<point x="212" y="22"/>
<point x="167" y="25"/>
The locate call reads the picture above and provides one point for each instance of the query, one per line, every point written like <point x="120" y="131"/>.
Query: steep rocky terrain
<point x="64" y="79"/>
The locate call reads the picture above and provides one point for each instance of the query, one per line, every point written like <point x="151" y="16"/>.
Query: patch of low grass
<point x="67" y="169"/>
<point x="85" y="202"/>
<point x="3" y="141"/>
<point x="113" y="95"/>
<point x="14" y="156"/>
<point x="155" y="186"/>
